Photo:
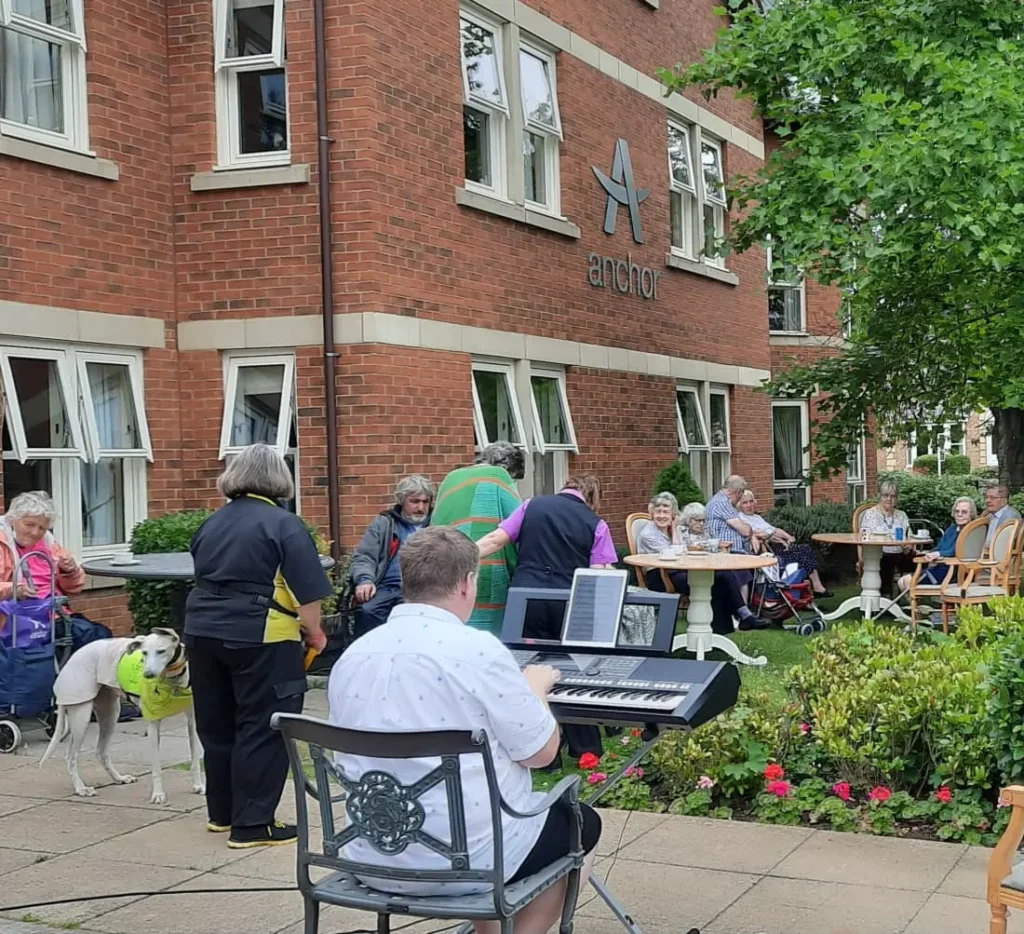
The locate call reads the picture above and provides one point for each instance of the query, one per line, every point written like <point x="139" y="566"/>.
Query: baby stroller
<point x="778" y="594"/>
<point x="31" y="654"/>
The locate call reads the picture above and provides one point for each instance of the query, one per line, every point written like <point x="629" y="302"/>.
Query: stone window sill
<point x="66" y="159"/>
<point x="516" y="212"/>
<point x="227" y="179"/>
<point x="701" y="269"/>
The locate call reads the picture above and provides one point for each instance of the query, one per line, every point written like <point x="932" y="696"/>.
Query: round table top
<point x="703" y="561"/>
<point x="853" y="538"/>
<point x="176" y="565"/>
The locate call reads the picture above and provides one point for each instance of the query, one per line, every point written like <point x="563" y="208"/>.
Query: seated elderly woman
<point x="885" y="519"/>
<point x="964" y="511"/>
<point x="788" y="550"/>
<point x="25" y="534"/>
<point x="663" y="531"/>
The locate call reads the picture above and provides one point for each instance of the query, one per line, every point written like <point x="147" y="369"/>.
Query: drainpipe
<point x="327" y="281"/>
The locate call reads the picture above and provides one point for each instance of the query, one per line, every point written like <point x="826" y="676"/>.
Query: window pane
<point x="481" y="63"/>
<point x="43" y="409"/>
<point x="257" y="405"/>
<point x="544" y="474"/>
<point x="262" y="114"/>
<point x="114" y="406"/>
<point x="784" y="309"/>
<point x="691" y="419"/>
<point x="289" y="458"/>
<point x="103" y="502"/>
<point x="719" y="469"/>
<point x="711" y="162"/>
<point x="250" y="31"/>
<point x="679" y="156"/>
<point x="853" y="465"/>
<point x="553" y="423"/>
<point x="787" y="442"/>
<point x="476" y="135"/>
<point x="538" y="101"/>
<point x="787" y="495"/>
<point x="30" y="81"/>
<point x="956" y="438"/>
<point x="719" y="421"/>
<point x="533" y="167"/>
<point x="56" y="13"/>
<point x="854" y="494"/>
<point x="25" y="478"/>
<point x="496" y="406"/>
<point x="711" y="230"/>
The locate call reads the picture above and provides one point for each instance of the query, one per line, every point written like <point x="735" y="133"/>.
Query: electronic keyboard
<point x="673" y="693"/>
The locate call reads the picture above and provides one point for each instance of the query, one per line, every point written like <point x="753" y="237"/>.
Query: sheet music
<point x="595" y="608"/>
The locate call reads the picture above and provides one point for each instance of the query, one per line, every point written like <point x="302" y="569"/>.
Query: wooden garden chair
<point x="635" y="522"/>
<point x="970" y="547"/>
<point x="980" y="581"/>
<point x="1005" y="880"/>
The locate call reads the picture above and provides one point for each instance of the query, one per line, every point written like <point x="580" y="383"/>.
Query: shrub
<point x="951" y="464"/>
<point x="931" y="498"/>
<point x="984" y="475"/>
<point x="1017" y="502"/>
<point x="677" y="480"/>
<point x="1004" y="705"/>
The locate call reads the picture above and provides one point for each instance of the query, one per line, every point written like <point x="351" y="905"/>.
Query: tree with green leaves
<point x="898" y="178"/>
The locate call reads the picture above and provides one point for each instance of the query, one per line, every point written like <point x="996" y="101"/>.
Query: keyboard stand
<point x="649" y="737"/>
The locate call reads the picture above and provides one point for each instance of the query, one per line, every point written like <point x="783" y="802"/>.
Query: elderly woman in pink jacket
<point x="25" y="534"/>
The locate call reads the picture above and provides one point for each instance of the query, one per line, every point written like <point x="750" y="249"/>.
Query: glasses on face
<point x="888" y="496"/>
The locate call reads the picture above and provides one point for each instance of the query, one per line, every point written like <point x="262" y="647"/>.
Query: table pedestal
<point x="870" y="602"/>
<point x="699" y="637"/>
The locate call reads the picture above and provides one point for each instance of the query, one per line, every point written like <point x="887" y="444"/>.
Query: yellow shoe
<point x="276" y="834"/>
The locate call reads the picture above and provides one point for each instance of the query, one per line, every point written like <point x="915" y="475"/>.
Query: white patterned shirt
<point x="879" y="522"/>
<point x="425" y="670"/>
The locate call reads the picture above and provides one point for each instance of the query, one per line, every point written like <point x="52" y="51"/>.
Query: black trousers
<point x="376" y="610"/>
<point x="235" y="690"/>
<point x="901" y="562"/>
<point x="726" y="597"/>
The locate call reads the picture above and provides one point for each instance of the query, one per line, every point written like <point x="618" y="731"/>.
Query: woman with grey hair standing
<point x="25" y="535"/>
<point x="258" y="587"/>
<point x="885" y="519"/>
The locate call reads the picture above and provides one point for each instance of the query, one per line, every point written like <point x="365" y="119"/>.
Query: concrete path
<point x="673" y="873"/>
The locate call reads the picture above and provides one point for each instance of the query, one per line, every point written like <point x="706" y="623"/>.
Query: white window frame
<point x="538" y="436"/>
<point x="701" y="457"/>
<point x="859" y="480"/>
<point x="499" y="114"/>
<point x="226" y="70"/>
<point x="92" y="435"/>
<point x="232" y="364"/>
<point x="717" y="201"/>
<point x="723" y="391"/>
<point x="790" y="286"/>
<point x="552" y="136"/>
<point x="66" y="467"/>
<point x="479" y="425"/>
<point x="805" y="453"/>
<point x="73" y="78"/>
<point x="947" y="444"/>
<point x="687" y="194"/>
<point x="12" y="405"/>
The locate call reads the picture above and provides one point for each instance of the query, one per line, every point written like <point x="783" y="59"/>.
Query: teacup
<point x="713" y="544"/>
<point x="119" y="560"/>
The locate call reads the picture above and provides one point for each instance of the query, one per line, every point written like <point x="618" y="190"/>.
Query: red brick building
<point x="161" y="300"/>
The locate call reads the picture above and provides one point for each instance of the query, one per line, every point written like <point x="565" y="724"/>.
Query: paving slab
<point x="11" y="859"/>
<point x="969" y="876"/>
<point x="79" y="874"/>
<point x="620" y="828"/>
<point x="70" y="826"/>
<point x="11" y="803"/>
<point x="797" y="906"/>
<point x="950" y="914"/>
<point x="859" y="859"/>
<point x="334" y="920"/>
<point x="715" y="844"/>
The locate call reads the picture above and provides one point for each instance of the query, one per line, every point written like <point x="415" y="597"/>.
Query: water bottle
<point x="898" y="533"/>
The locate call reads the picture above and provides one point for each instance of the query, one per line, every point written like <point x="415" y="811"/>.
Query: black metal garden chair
<point x="390" y="817"/>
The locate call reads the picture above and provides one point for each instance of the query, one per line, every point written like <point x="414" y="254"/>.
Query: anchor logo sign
<point x="621" y="189"/>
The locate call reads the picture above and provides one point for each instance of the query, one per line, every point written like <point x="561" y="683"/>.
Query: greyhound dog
<point x="151" y="669"/>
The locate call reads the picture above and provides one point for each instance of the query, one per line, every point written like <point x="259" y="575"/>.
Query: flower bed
<point x="883" y="733"/>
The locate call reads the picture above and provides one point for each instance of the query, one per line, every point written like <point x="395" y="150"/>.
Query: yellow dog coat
<point x="157" y="697"/>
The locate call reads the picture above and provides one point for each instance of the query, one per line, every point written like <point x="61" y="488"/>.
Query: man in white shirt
<point x="998" y="509"/>
<point x="425" y="670"/>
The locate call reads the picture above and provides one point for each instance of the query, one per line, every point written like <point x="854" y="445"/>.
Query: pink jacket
<point x="73" y="582"/>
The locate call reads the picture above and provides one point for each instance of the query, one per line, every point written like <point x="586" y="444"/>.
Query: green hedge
<point x="923" y="496"/>
<point x="677" y="480"/>
<point x="951" y="464"/>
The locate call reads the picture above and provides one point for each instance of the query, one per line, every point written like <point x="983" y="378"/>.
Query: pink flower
<point x="634" y="770"/>
<point x="624" y="740"/>
<point x="1002" y="802"/>
<point x="841" y="790"/>
<point x="879" y="793"/>
<point x="773" y="772"/>
<point x="596" y="778"/>
<point x="705" y="783"/>
<point x="943" y="795"/>
<point x="589" y="761"/>
<point x="779" y="788"/>
<point x="805" y="728"/>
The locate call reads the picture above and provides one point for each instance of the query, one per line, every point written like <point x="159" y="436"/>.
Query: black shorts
<point x="553" y="842"/>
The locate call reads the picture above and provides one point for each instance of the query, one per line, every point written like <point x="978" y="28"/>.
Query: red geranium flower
<point x="773" y="772"/>
<point x="779" y="789"/>
<point x="589" y="761"/>
<point x="879" y="793"/>
<point x="841" y="790"/>
<point x="943" y="795"/>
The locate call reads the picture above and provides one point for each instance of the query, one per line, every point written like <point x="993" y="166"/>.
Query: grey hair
<point x="887" y="486"/>
<point x="36" y="503"/>
<point x="504" y="454"/>
<point x="664" y="499"/>
<point x="971" y="504"/>
<point x="692" y="511"/>
<point x="257" y="469"/>
<point x="413" y="486"/>
<point x="749" y="493"/>
<point x="735" y="483"/>
<point x="1001" y="489"/>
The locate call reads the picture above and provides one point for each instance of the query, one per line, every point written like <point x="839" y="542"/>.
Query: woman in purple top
<point x="555" y="536"/>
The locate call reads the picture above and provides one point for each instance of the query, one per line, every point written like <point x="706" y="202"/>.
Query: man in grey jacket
<point x="374" y="570"/>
